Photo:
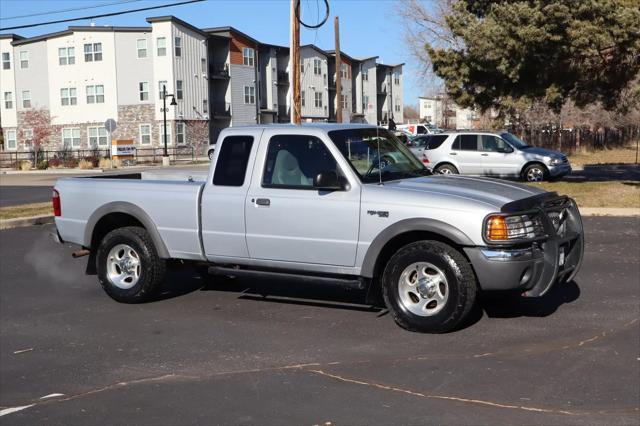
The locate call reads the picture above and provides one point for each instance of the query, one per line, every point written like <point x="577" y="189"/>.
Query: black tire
<point x="461" y="281"/>
<point x="152" y="267"/>
<point x="447" y="169"/>
<point x="210" y="154"/>
<point x="536" y="172"/>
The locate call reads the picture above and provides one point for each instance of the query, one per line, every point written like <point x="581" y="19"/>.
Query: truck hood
<point x="493" y="192"/>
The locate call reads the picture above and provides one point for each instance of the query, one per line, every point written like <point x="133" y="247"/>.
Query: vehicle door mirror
<point x="505" y="149"/>
<point x="328" y="181"/>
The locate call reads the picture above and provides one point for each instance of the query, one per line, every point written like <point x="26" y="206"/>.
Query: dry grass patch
<point x="597" y="194"/>
<point x="26" y="210"/>
<point x="623" y="155"/>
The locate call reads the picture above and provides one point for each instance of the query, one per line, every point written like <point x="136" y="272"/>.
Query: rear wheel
<point x="447" y="169"/>
<point x="429" y="287"/>
<point x="129" y="268"/>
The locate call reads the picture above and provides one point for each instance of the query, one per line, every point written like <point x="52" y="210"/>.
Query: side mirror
<point x="328" y="181"/>
<point x="505" y="150"/>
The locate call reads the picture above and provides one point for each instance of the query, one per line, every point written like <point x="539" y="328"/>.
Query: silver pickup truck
<point x="341" y="203"/>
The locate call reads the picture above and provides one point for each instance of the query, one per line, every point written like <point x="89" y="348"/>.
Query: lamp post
<point x="165" y="158"/>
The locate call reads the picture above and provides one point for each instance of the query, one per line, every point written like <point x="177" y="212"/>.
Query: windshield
<point x="514" y="140"/>
<point x="360" y="148"/>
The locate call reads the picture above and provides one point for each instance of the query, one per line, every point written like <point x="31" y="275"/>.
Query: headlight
<point x="500" y="228"/>
<point x="555" y="161"/>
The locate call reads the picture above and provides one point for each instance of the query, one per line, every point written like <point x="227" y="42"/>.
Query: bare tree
<point x="38" y="123"/>
<point x="411" y="113"/>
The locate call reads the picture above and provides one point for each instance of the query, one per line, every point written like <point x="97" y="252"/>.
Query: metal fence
<point x="12" y="159"/>
<point x="570" y="140"/>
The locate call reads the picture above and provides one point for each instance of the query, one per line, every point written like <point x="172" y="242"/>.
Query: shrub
<point x="55" y="163"/>
<point x="70" y="163"/>
<point x="94" y="160"/>
<point x="24" y="165"/>
<point x="42" y="165"/>
<point x="104" y="163"/>
<point x="85" y="164"/>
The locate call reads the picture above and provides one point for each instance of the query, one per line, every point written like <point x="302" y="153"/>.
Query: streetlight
<point x="164" y="114"/>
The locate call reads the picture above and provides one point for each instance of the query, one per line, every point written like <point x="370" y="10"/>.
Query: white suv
<point x="493" y="154"/>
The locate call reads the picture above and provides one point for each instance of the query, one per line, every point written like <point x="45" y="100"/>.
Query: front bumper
<point x="535" y="268"/>
<point x="560" y="170"/>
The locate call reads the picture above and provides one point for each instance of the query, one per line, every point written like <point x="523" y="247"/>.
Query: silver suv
<point x="491" y="154"/>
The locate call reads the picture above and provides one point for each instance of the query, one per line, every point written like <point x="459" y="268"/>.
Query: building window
<point x="365" y="75"/>
<point x="95" y="94"/>
<point x="396" y="79"/>
<point x="302" y="98"/>
<point x="180" y="133"/>
<point x="345" y="103"/>
<point x="145" y="134"/>
<point x="179" y="89"/>
<point x="203" y="65"/>
<point x="205" y="106"/>
<point x="344" y="71"/>
<point x="161" y="88"/>
<point x="365" y="102"/>
<point x="26" y="99"/>
<point x="318" y="99"/>
<point x="71" y="137"/>
<point x="6" y="61"/>
<point x="11" y="139"/>
<point x="178" y="46"/>
<point x="93" y="52"/>
<point x="68" y="96"/>
<point x="27" y="134"/>
<point x="24" y="59"/>
<point x="249" y="95"/>
<point x="247" y="56"/>
<point x="98" y="136"/>
<point x="301" y="66"/>
<point x="317" y="66"/>
<point x="141" y="45"/>
<point x="143" y="89"/>
<point x="67" y="55"/>
<point x="8" y="100"/>
<point x="397" y="105"/>
<point x="168" y="134"/>
<point x="161" y="45"/>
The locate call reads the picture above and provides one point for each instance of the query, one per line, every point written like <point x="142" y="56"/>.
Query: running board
<point x="352" y="283"/>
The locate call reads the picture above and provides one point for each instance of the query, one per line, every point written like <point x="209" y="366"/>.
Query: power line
<point x="53" y="12"/>
<point x="100" y="16"/>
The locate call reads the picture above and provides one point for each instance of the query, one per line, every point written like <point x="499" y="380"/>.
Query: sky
<point x="367" y="27"/>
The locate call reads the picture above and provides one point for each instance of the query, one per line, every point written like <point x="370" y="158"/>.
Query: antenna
<point x="379" y="160"/>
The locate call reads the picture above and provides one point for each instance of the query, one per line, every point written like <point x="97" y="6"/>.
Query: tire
<point x="447" y="169"/>
<point x="535" y="173"/>
<point x="210" y="155"/>
<point x="129" y="268"/>
<point x="417" y="311"/>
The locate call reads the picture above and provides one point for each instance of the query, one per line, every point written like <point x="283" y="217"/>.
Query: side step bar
<point x="352" y="283"/>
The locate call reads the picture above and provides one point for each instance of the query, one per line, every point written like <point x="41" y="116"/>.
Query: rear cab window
<point x="231" y="167"/>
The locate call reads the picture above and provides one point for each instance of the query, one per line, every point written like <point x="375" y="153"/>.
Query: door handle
<point x="485" y="155"/>
<point x="453" y="153"/>
<point x="263" y="202"/>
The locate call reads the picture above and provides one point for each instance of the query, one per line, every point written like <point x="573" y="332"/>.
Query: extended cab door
<point x="223" y="197"/>
<point x="287" y="218"/>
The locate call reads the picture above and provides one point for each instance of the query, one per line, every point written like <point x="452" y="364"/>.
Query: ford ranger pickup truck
<point x="335" y="202"/>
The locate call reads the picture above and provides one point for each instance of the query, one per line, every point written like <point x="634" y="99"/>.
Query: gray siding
<point x="242" y="113"/>
<point x="131" y="70"/>
<point x="33" y="78"/>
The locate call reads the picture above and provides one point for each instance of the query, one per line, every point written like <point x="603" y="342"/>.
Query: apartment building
<point x="219" y="77"/>
<point x="444" y="113"/>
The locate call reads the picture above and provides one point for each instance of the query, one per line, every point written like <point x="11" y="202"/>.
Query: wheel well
<point x="531" y="163"/>
<point x="394" y="244"/>
<point x="110" y="222"/>
<point x="443" y="163"/>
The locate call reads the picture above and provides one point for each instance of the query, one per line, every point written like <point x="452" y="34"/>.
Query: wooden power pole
<point x="338" y="72"/>
<point x="294" y="65"/>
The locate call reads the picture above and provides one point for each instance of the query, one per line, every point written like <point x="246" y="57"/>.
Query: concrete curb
<point x="25" y="221"/>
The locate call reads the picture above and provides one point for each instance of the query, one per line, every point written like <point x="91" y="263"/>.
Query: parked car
<point x="337" y="203"/>
<point x="418" y="144"/>
<point x="494" y="154"/>
<point x="402" y="136"/>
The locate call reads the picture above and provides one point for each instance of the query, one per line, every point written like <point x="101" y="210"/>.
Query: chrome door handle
<point x="263" y="202"/>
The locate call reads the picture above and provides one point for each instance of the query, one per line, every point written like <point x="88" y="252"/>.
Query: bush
<point x="104" y="163"/>
<point x="55" y="163"/>
<point x="24" y="165"/>
<point x="70" y="163"/>
<point x="94" y="160"/>
<point x="85" y="165"/>
<point x="42" y="165"/>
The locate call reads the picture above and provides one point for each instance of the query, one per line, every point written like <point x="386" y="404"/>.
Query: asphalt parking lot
<point x="265" y="352"/>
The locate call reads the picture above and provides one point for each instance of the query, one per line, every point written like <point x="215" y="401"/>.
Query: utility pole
<point x="294" y="64"/>
<point x="338" y="72"/>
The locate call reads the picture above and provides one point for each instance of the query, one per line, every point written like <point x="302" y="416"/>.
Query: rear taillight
<point x="425" y="160"/>
<point x="55" y="200"/>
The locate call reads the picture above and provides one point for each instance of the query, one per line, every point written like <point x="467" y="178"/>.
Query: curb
<point x="25" y="221"/>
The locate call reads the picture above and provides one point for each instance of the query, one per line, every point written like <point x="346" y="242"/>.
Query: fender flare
<point x="408" y="225"/>
<point x="131" y="210"/>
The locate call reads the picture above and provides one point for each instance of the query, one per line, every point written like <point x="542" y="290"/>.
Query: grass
<point x="622" y="155"/>
<point x="597" y="194"/>
<point x="26" y="210"/>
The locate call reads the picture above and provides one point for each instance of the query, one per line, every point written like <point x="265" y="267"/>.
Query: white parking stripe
<point x="14" y="409"/>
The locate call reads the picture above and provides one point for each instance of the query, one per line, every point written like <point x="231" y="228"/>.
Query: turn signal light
<point x="55" y="200"/>
<point x="497" y="228"/>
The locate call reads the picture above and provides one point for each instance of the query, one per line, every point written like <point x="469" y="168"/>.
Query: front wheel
<point x="536" y="173"/>
<point x="129" y="268"/>
<point x="210" y="155"/>
<point x="429" y="287"/>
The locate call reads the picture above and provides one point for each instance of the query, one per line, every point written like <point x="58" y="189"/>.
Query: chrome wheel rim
<point x="535" y="174"/>
<point x="446" y="171"/>
<point x="423" y="289"/>
<point x="123" y="266"/>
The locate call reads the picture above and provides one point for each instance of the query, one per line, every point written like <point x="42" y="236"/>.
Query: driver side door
<point x="287" y="219"/>
<point x="498" y="157"/>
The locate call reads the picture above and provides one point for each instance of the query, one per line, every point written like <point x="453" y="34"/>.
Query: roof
<point x="316" y="48"/>
<point x="175" y="20"/>
<point x="332" y="52"/>
<point x="367" y="58"/>
<point x="10" y="36"/>
<point x="214" y="30"/>
<point x="72" y="29"/>
<point x="390" y="65"/>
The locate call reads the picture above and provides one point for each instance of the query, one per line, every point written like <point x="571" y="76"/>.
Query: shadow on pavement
<point x="605" y="172"/>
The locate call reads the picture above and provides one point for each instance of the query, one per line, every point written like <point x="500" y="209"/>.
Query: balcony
<point x="219" y="70"/>
<point x="220" y="110"/>
<point x="283" y="77"/>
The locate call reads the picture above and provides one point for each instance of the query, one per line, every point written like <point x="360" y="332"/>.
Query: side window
<point x="495" y="144"/>
<point x="466" y="143"/>
<point x="435" y="141"/>
<point x="294" y="160"/>
<point x="233" y="158"/>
